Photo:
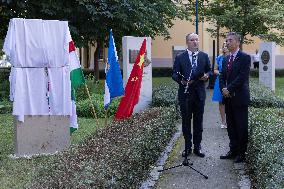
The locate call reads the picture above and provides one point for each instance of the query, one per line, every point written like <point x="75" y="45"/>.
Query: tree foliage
<point x="90" y="20"/>
<point x="261" y="18"/>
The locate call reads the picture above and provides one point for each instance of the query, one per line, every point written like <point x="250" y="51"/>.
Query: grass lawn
<point x="15" y="173"/>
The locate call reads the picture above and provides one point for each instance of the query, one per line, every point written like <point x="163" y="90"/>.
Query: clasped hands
<point x="203" y="78"/>
<point x="226" y="93"/>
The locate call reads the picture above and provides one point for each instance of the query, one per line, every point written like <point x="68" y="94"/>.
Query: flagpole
<point x="92" y="106"/>
<point x="106" y="116"/>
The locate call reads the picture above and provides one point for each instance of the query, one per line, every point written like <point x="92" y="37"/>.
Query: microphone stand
<point x="185" y="163"/>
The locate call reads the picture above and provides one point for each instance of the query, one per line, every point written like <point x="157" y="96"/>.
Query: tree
<point x="90" y="21"/>
<point x="261" y="18"/>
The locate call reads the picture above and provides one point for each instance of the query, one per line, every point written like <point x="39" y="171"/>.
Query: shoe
<point x="223" y="126"/>
<point x="240" y="159"/>
<point x="198" y="153"/>
<point x="229" y="155"/>
<point x="188" y="153"/>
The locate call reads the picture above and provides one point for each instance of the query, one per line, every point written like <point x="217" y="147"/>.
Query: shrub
<point x="84" y="106"/>
<point x="279" y="72"/>
<point x="265" y="149"/>
<point x="96" y="87"/>
<point x="254" y="73"/>
<point x="5" y="86"/>
<point x="165" y="95"/>
<point x="261" y="96"/>
<point x="162" y="72"/>
<point x="5" y="107"/>
<point x="118" y="156"/>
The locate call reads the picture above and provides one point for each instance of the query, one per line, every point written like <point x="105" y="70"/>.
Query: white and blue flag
<point x="113" y="82"/>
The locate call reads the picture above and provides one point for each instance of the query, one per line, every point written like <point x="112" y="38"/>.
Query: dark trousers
<point x="237" y="127"/>
<point x="256" y="65"/>
<point x="190" y="107"/>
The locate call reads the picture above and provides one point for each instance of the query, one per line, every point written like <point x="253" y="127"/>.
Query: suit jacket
<point x="237" y="82"/>
<point x="183" y="66"/>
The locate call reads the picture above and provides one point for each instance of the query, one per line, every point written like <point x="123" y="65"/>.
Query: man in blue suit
<point x="234" y="84"/>
<point x="191" y="70"/>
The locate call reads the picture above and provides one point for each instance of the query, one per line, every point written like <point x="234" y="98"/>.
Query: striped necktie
<point x="230" y="64"/>
<point x="193" y="61"/>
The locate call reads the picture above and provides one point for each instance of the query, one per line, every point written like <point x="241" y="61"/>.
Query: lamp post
<point x="196" y="15"/>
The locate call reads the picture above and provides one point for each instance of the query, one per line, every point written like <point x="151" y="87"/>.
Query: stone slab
<point x="41" y="135"/>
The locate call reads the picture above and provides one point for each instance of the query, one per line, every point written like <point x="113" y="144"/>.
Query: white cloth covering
<point x="33" y="44"/>
<point x="37" y="43"/>
<point x="56" y="42"/>
<point x="60" y="91"/>
<point x="30" y="92"/>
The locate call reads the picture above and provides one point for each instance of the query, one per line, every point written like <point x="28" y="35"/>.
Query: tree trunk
<point x="218" y="39"/>
<point x="96" y="61"/>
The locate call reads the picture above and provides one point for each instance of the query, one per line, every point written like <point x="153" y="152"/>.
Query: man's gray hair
<point x="188" y="35"/>
<point x="236" y="35"/>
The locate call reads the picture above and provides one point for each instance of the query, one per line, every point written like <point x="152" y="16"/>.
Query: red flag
<point x="132" y="89"/>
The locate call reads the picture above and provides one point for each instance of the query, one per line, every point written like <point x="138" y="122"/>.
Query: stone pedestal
<point x="267" y="64"/>
<point x="131" y="46"/>
<point x="41" y="135"/>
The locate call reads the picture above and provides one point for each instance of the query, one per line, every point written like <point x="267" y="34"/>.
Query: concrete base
<point x="41" y="135"/>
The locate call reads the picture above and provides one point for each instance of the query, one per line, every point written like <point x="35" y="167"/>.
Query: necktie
<point x="230" y="64"/>
<point x="193" y="61"/>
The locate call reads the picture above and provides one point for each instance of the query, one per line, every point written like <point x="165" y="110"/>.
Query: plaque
<point x="133" y="55"/>
<point x="265" y="57"/>
<point x="265" y="68"/>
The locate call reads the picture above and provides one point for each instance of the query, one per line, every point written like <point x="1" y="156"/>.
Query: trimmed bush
<point x="266" y="147"/>
<point x="278" y="73"/>
<point x="156" y="72"/>
<point x="162" y="72"/>
<point x="254" y="73"/>
<point x="261" y="96"/>
<point x="165" y="95"/>
<point x="5" y="85"/>
<point x="84" y="106"/>
<point x="118" y="156"/>
<point x="5" y="107"/>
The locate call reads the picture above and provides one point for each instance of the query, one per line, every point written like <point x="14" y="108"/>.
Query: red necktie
<point x="230" y="64"/>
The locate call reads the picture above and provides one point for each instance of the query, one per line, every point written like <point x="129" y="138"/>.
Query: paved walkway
<point x="221" y="173"/>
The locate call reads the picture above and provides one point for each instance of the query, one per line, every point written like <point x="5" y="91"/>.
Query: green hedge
<point x="156" y="72"/>
<point x="118" y="156"/>
<point x="278" y="73"/>
<point x="261" y="96"/>
<point x="165" y="95"/>
<point x="5" y="107"/>
<point x="84" y="106"/>
<point x="254" y="73"/>
<point x="266" y="147"/>
<point x="5" y="86"/>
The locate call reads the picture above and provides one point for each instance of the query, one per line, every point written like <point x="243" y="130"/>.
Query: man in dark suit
<point x="234" y="84"/>
<point x="191" y="69"/>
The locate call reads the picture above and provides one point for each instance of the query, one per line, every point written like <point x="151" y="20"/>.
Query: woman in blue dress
<point x="217" y="95"/>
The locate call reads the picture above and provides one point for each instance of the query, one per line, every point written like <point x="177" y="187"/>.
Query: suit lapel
<point x="235" y="63"/>
<point x="187" y="60"/>
<point x="225" y="65"/>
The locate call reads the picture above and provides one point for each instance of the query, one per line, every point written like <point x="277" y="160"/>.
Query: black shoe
<point x="188" y="153"/>
<point x="198" y="153"/>
<point x="229" y="155"/>
<point x="240" y="159"/>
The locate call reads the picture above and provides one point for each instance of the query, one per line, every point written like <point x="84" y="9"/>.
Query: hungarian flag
<point x="77" y="79"/>
<point x="132" y="89"/>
